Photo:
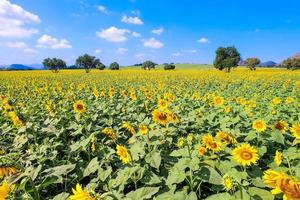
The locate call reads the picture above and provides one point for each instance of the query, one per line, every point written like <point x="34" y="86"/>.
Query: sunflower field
<point x="163" y="135"/>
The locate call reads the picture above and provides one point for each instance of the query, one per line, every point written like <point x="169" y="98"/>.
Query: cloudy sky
<point x="131" y="31"/>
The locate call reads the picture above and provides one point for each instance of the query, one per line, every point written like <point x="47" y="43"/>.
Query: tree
<point x="87" y="62"/>
<point x="291" y="63"/>
<point x="54" y="64"/>
<point x="147" y="65"/>
<point x="101" y="66"/>
<point x="252" y="63"/>
<point x="169" y="67"/>
<point x="114" y="66"/>
<point x="226" y="58"/>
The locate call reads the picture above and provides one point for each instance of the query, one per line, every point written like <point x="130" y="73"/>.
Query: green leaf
<point x="154" y="159"/>
<point x="143" y="193"/>
<point x="59" y="171"/>
<point x="220" y="196"/>
<point x="260" y="194"/>
<point x="209" y="174"/>
<point x="176" y="175"/>
<point x="277" y="136"/>
<point x="92" y="167"/>
<point x="61" y="196"/>
<point x="103" y="174"/>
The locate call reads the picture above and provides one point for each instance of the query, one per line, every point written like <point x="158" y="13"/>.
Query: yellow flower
<point x="190" y="138"/>
<point x="227" y="109"/>
<point x="129" y="127"/>
<point x="5" y="189"/>
<point x="201" y="151"/>
<point x="282" y="126"/>
<point x="162" y="104"/>
<point x="93" y="146"/>
<point x="227" y="183"/>
<point x="207" y="139"/>
<point x="79" y="107"/>
<point x="219" y="101"/>
<point x="278" y="158"/>
<point x="296" y="131"/>
<point x="80" y="194"/>
<point x="180" y="142"/>
<point x="7" y="171"/>
<point x="225" y="138"/>
<point x="159" y="117"/>
<point x="215" y="146"/>
<point x="289" y="100"/>
<point x="15" y="119"/>
<point x="245" y="155"/>
<point x="96" y="92"/>
<point x="276" y="101"/>
<point x="110" y="133"/>
<point x="259" y="125"/>
<point x="123" y="154"/>
<point x="143" y="129"/>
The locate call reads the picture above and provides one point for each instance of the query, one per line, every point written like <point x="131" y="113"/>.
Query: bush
<point x="291" y="63"/>
<point x="114" y="66"/>
<point x="169" y="67"/>
<point x="148" y="65"/>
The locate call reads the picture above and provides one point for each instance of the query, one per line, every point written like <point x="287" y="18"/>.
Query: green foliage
<point x="101" y="66"/>
<point x="148" y="65"/>
<point x="87" y="62"/>
<point x="169" y="66"/>
<point x="252" y="63"/>
<point x="226" y="58"/>
<point x="291" y="63"/>
<point x="114" y="66"/>
<point x="54" y="64"/>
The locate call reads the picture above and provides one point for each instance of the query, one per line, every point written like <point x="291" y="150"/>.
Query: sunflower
<point x="180" y="142"/>
<point x="278" y="158"/>
<point x="282" y="126"/>
<point x="123" y="154"/>
<point x="259" y="125"/>
<point x="80" y="194"/>
<point x="219" y="101"/>
<point x="7" y="171"/>
<point x="5" y="189"/>
<point x="93" y="143"/>
<point x="227" y="109"/>
<point x="227" y="183"/>
<point x="296" y="131"/>
<point x="190" y="138"/>
<point x="162" y="118"/>
<point x="215" y="146"/>
<point x="143" y="129"/>
<point x="245" y="154"/>
<point x="129" y="127"/>
<point x="15" y="119"/>
<point x="289" y="100"/>
<point x="110" y="133"/>
<point x="201" y="151"/>
<point x="225" y="138"/>
<point x="276" y="101"/>
<point x="207" y="139"/>
<point x="270" y="177"/>
<point x="96" y="92"/>
<point x="79" y="107"/>
<point x="162" y="104"/>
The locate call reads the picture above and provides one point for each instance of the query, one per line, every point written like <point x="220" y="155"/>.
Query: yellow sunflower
<point x="80" y="194"/>
<point x="93" y="143"/>
<point x="245" y="154"/>
<point x="227" y="183"/>
<point x="96" y="92"/>
<point x="278" y="158"/>
<point x="129" y="127"/>
<point x="276" y="101"/>
<point x="207" y="139"/>
<point x="201" y="151"/>
<point x="219" y="101"/>
<point x="5" y="189"/>
<point x="296" y="131"/>
<point x="259" y="125"/>
<point x="143" y="129"/>
<point x="180" y="142"/>
<point x="162" y="118"/>
<point x="79" y="107"/>
<point x="282" y="126"/>
<point x="215" y="146"/>
<point x="227" y="109"/>
<point x="162" y="104"/>
<point x="225" y="138"/>
<point x="110" y="133"/>
<point x="7" y="171"/>
<point x="123" y="154"/>
<point x="289" y="100"/>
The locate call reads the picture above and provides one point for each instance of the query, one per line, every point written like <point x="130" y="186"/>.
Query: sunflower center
<point x="162" y="116"/>
<point x="79" y="107"/>
<point x="259" y="125"/>
<point x="246" y="155"/>
<point x="279" y="126"/>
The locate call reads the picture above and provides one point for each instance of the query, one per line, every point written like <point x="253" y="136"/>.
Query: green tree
<point x="54" y="64"/>
<point x="251" y="63"/>
<point x="147" y="65"/>
<point x="169" y="66"/>
<point x="291" y="63"/>
<point x="226" y="58"/>
<point x="87" y="62"/>
<point x="114" y="66"/>
<point x="101" y="66"/>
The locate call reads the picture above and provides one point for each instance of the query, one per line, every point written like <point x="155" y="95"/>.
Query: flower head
<point x="296" y="131"/>
<point x="278" y="158"/>
<point x="245" y="154"/>
<point x="123" y="154"/>
<point x="80" y="194"/>
<point x="259" y="125"/>
<point x="79" y="107"/>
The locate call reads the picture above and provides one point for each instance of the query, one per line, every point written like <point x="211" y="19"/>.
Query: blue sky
<point x="132" y="31"/>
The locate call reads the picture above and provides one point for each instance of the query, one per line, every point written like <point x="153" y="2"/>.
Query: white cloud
<point x="17" y="45"/>
<point x="140" y="56"/>
<point x="47" y="41"/>
<point x="203" y="40"/>
<point x="132" y="20"/>
<point x="13" y="19"/>
<point x="113" y="34"/>
<point x="121" y="50"/>
<point x="153" y="43"/>
<point x="30" y="50"/>
<point x="158" y="31"/>
<point x="102" y="9"/>
<point x="176" y="54"/>
<point x="136" y="34"/>
<point x="98" y="51"/>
